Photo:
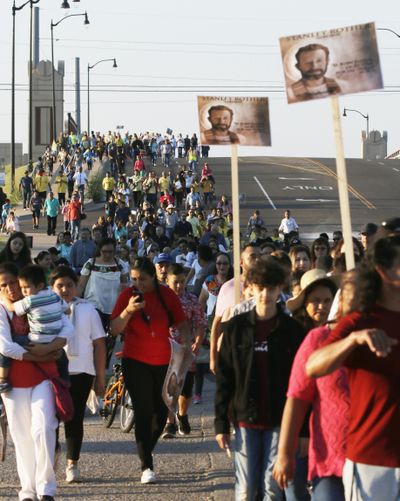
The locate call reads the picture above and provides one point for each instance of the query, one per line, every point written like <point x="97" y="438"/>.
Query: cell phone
<point x="138" y="294"/>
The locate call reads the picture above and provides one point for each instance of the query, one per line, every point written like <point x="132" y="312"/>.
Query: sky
<point x="169" y="52"/>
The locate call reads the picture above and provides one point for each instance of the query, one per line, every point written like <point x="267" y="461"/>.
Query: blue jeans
<point x="255" y="454"/>
<point x="75" y="225"/>
<point x="327" y="489"/>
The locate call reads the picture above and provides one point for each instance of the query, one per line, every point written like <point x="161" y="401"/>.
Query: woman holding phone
<point x="144" y="313"/>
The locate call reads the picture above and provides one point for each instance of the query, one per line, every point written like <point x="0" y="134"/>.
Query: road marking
<point x="381" y="163"/>
<point x="298" y="178"/>
<point x="314" y="200"/>
<point x="308" y="188"/>
<point x="397" y="170"/>
<point x="265" y="193"/>
<point x="352" y="190"/>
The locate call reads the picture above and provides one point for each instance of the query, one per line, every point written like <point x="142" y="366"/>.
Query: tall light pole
<point x="14" y="11"/>
<point x="345" y="110"/>
<point x="88" y="88"/>
<point x="52" y="26"/>
<point x="32" y="2"/>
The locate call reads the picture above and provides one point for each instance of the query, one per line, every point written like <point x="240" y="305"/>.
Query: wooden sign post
<point x="236" y="220"/>
<point x="342" y="185"/>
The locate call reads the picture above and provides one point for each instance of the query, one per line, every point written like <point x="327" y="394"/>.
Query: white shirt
<point x="288" y="225"/>
<point x="87" y="328"/>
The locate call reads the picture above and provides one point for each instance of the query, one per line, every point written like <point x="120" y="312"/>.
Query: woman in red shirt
<point x="144" y="313"/>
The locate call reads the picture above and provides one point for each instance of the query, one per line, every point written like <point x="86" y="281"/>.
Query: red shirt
<point x="374" y="430"/>
<point x="74" y="210"/>
<point x="23" y="373"/>
<point x="149" y="342"/>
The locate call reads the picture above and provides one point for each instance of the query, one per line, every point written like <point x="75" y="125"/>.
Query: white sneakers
<point x="148" y="477"/>
<point x="72" y="473"/>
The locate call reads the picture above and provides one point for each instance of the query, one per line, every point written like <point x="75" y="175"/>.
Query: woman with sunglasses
<point x="102" y="278"/>
<point x="223" y="272"/>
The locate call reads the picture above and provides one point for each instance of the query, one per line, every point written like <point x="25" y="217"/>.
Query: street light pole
<point x="52" y="26"/>
<point x="32" y="2"/>
<point x="359" y="112"/>
<point x="88" y="87"/>
<point x="14" y="10"/>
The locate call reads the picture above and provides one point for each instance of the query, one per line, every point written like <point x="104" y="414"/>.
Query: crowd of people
<point x="306" y="364"/>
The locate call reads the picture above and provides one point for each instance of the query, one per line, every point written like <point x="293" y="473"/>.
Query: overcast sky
<point x="223" y="47"/>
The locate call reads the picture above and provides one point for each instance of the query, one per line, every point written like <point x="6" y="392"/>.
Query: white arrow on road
<point x="297" y="178"/>
<point x="314" y="200"/>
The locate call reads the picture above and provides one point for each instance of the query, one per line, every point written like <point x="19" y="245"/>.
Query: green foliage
<point x="95" y="188"/>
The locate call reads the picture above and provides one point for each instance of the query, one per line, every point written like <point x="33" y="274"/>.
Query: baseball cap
<point x="392" y="225"/>
<point x="163" y="258"/>
<point x="369" y="229"/>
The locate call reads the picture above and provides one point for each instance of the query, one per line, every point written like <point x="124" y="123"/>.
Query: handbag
<point x="62" y="396"/>
<point x="82" y="216"/>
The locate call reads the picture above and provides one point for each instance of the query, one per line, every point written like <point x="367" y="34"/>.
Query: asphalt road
<point x="308" y="187"/>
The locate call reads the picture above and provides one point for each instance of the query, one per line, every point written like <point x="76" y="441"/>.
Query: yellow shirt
<point x="108" y="183"/>
<point x="207" y="186"/>
<point x="61" y="182"/>
<point x="41" y="183"/>
<point x="164" y="183"/>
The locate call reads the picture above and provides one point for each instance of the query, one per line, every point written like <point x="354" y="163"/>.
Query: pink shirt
<point x="226" y="297"/>
<point x="330" y="401"/>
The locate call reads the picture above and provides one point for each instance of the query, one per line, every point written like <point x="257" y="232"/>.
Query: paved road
<point x="309" y="188"/>
<point x="188" y="468"/>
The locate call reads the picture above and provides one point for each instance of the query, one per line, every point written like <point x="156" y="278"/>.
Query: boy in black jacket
<point x="253" y="370"/>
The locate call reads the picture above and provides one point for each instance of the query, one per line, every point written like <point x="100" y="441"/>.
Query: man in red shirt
<point x="367" y="343"/>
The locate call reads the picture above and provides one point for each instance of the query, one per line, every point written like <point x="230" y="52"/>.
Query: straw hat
<point x="309" y="278"/>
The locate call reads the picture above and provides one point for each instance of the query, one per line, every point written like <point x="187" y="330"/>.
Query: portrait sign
<point x="331" y="63"/>
<point x="234" y="120"/>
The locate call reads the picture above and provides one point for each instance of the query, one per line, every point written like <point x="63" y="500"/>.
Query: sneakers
<point x="148" y="477"/>
<point x="169" y="431"/>
<point x="72" y="473"/>
<point x="183" y="425"/>
<point x="197" y="399"/>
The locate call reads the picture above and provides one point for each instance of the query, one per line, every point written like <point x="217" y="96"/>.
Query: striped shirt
<point x="44" y="311"/>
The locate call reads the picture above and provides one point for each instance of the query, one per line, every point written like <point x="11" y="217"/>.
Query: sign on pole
<point x="331" y="63"/>
<point x="234" y="121"/>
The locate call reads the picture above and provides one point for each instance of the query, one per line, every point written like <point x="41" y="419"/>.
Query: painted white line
<point x="265" y="193"/>
<point x="314" y="200"/>
<point x="397" y="170"/>
<point x="381" y="163"/>
<point x="297" y="178"/>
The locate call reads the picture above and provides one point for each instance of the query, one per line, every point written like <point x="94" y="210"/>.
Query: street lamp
<point x="52" y="26"/>
<point x="14" y="10"/>
<point x="359" y="112"/>
<point x="388" y="29"/>
<point x="88" y="88"/>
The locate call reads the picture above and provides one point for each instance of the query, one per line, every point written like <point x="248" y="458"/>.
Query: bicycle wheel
<point x="110" y="403"/>
<point x="127" y="415"/>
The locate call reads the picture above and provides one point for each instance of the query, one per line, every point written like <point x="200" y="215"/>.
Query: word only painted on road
<point x="308" y="188"/>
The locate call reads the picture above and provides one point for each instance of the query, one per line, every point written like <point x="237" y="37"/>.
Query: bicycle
<point x="117" y="395"/>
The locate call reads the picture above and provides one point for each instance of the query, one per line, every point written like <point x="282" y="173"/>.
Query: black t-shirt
<point x="262" y="331"/>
